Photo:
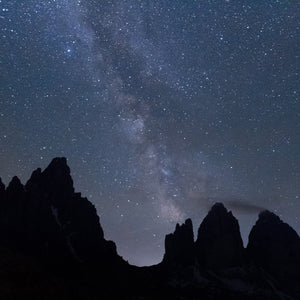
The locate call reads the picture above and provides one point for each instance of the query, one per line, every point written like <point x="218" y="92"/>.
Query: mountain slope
<point x="52" y="246"/>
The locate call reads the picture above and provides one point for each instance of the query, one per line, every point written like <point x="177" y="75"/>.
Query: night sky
<point x="161" y="107"/>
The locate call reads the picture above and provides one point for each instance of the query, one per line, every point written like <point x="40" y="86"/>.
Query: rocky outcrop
<point x="47" y="219"/>
<point x="219" y="244"/>
<point x="52" y="246"/>
<point x="275" y="246"/>
<point x="179" y="246"/>
<point x="216" y="266"/>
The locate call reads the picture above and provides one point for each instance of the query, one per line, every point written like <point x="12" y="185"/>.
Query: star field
<point x="161" y="107"/>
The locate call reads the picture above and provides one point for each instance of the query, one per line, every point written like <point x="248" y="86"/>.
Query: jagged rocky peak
<point x="55" y="180"/>
<point x="219" y="244"/>
<point x="15" y="186"/>
<point x="58" y="166"/>
<point x="275" y="246"/>
<point x="57" y="174"/>
<point x="57" y="223"/>
<point x="267" y="216"/>
<point x="185" y="230"/>
<point x="35" y="174"/>
<point x="34" y="181"/>
<point x="179" y="246"/>
<point x="270" y="226"/>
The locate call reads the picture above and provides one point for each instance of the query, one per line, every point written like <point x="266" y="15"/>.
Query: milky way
<point x="161" y="107"/>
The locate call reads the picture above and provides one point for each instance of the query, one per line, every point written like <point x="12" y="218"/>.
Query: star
<point x="161" y="109"/>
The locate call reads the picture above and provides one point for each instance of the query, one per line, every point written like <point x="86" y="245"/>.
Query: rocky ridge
<point x="48" y="220"/>
<point x="52" y="236"/>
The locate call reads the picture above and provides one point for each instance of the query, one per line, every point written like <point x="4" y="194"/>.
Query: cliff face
<point x="52" y="236"/>
<point x="270" y="265"/>
<point x="219" y="243"/>
<point x="47" y="219"/>
<point x="275" y="246"/>
<point x="218" y="246"/>
<point x="179" y="246"/>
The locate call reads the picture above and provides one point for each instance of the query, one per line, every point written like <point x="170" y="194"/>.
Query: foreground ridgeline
<point x="45" y="218"/>
<point x="52" y="246"/>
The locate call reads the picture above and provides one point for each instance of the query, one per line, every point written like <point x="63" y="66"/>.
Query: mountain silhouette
<point x="219" y="230"/>
<point x="179" y="246"/>
<point x="52" y="246"/>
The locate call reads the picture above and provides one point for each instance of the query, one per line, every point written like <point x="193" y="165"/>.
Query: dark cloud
<point x="243" y="207"/>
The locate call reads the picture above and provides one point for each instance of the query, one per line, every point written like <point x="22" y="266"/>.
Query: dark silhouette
<point x="179" y="246"/>
<point x="275" y="246"/>
<point x="52" y="246"/>
<point x="219" y="231"/>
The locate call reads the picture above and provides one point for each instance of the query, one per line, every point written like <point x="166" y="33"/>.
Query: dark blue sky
<point x="161" y="107"/>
